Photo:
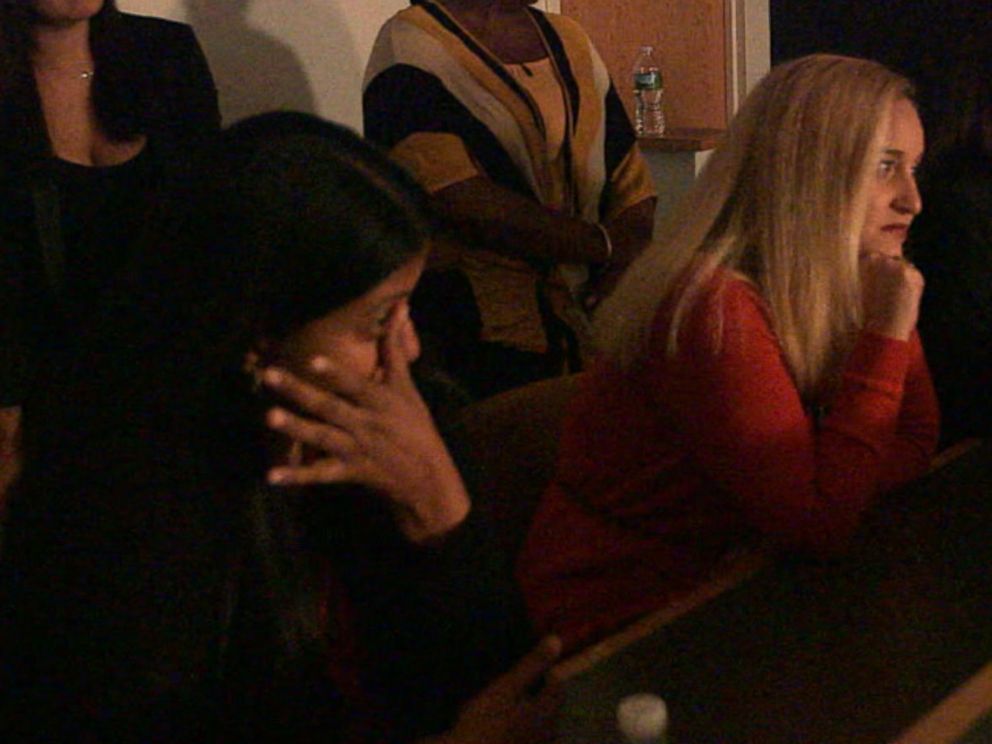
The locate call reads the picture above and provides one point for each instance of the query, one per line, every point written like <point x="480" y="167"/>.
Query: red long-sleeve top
<point x="664" y="469"/>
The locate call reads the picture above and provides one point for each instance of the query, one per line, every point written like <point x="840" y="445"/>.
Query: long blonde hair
<point x="781" y="203"/>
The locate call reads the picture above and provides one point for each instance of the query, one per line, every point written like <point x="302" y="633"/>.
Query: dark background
<point x="923" y="39"/>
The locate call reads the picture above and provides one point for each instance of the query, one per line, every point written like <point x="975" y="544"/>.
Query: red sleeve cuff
<point x="878" y="363"/>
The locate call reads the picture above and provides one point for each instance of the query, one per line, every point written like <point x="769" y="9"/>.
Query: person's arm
<point x="918" y="429"/>
<point x="436" y="623"/>
<point x="437" y="612"/>
<point x="507" y="222"/>
<point x="437" y="618"/>
<point x="499" y="219"/>
<point x="431" y="140"/>
<point x="805" y="486"/>
<point x="630" y="232"/>
<point x="185" y="86"/>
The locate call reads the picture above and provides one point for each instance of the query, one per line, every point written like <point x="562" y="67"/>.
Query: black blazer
<point x="157" y="79"/>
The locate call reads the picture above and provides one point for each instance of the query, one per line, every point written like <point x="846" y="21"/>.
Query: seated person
<point x="952" y="242"/>
<point x="761" y="376"/>
<point x="327" y="579"/>
<point x="521" y="137"/>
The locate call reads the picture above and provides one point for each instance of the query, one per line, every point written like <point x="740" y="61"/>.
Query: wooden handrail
<point x="737" y="570"/>
<point x="955" y="714"/>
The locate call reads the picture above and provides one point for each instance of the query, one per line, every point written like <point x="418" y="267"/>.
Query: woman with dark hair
<point x="326" y="578"/>
<point x="99" y="111"/>
<point x="952" y="240"/>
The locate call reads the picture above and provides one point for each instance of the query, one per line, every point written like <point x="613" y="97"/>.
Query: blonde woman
<point x="762" y="376"/>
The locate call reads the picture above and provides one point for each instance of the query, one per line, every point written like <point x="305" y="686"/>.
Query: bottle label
<point x="647" y="80"/>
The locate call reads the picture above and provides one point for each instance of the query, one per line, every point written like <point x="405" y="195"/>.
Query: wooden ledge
<point x="953" y="452"/>
<point x="683" y="139"/>
<point x="955" y="715"/>
<point x="736" y="571"/>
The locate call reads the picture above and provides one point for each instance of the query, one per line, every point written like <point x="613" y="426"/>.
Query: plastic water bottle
<point x="643" y="719"/>
<point x="649" y="88"/>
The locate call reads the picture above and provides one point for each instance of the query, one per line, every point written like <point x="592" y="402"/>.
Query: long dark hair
<point x="292" y="217"/>
<point x="297" y="216"/>
<point x="121" y="89"/>
<point x="318" y="215"/>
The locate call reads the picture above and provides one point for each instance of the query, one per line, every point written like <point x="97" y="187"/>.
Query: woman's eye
<point x="886" y="168"/>
<point x="377" y="326"/>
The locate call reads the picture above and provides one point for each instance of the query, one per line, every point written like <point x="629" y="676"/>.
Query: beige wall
<point x="297" y="54"/>
<point x="310" y="54"/>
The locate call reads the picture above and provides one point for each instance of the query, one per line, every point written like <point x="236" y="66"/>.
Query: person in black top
<point x="326" y="577"/>
<point x="99" y="114"/>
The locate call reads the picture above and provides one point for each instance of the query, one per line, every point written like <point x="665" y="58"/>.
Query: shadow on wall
<point x="254" y="71"/>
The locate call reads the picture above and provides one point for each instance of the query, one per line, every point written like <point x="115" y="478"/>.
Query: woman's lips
<point x="896" y="229"/>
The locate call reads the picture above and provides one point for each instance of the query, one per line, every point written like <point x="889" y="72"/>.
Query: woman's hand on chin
<point x="376" y="433"/>
<point x="891" y="288"/>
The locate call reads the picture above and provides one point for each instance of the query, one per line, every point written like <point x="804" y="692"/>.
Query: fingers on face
<point x="889" y="263"/>
<point x="336" y="448"/>
<point x="331" y="402"/>
<point x="329" y="432"/>
<point x="340" y="381"/>
<point x="320" y="472"/>
<point x="327" y="438"/>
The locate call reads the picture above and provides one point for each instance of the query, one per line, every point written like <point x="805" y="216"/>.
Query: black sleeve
<point x="201" y="111"/>
<point x="177" y="89"/>
<point x="436" y="624"/>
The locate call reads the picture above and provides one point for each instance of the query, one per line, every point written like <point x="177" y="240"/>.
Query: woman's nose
<point x="908" y="199"/>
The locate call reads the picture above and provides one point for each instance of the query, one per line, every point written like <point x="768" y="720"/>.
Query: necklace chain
<point x="78" y="71"/>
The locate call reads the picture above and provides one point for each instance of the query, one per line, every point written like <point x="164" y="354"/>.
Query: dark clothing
<point x="153" y="622"/>
<point x="50" y="292"/>
<point x="951" y="242"/>
<point x="71" y="241"/>
<point x="102" y="210"/>
<point x="151" y="590"/>
<point x="189" y="611"/>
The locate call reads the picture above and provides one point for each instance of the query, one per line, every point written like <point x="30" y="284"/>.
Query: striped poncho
<point x="448" y="110"/>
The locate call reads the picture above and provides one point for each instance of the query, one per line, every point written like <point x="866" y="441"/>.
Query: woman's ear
<point x="409" y="340"/>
